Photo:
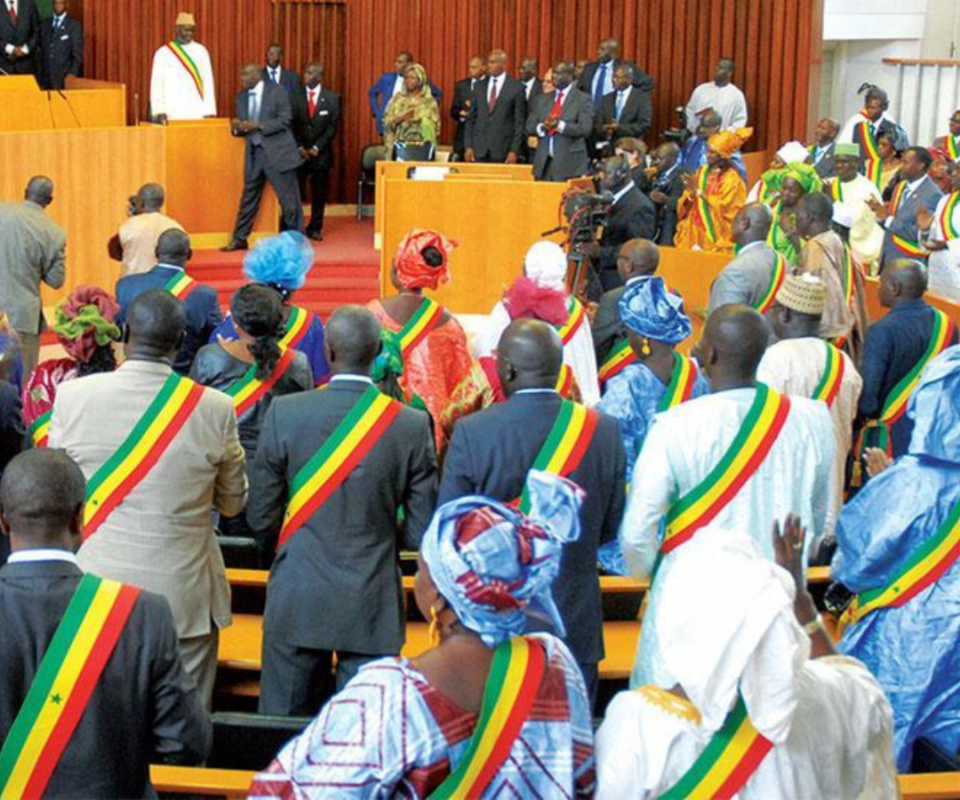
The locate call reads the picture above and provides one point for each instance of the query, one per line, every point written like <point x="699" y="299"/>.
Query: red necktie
<point x="492" y="102"/>
<point x="13" y="12"/>
<point x="557" y="109"/>
<point x="311" y="102"/>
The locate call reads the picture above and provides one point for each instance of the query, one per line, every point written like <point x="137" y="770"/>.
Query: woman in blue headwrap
<point x="282" y="263"/>
<point x="488" y="712"/>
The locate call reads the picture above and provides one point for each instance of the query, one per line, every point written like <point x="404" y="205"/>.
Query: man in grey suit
<point x="335" y="585"/>
<point x="144" y="708"/>
<point x="899" y="218"/>
<point x="264" y="119"/>
<point x="32" y="251"/>
<point x="161" y="536"/>
<point x="746" y="279"/>
<point x="562" y="121"/>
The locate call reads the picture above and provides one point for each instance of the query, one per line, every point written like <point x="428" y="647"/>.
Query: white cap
<point x="546" y="265"/>
<point x="793" y="152"/>
<point x="842" y="215"/>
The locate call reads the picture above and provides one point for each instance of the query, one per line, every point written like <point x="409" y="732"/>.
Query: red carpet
<point x="346" y="268"/>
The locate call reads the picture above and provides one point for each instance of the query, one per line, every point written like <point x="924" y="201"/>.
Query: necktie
<point x="275" y="76"/>
<point x="492" y="100"/>
<point x="601" y="80"/>
<point x="312" y="101"/>
<point x="13" y="12"/>
<point x="619" y="105"/>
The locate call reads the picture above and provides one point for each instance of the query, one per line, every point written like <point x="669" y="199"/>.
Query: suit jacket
<point x="633" y="216"/>
<point x="346" y="556"/>
<point x="745" y="279"/>
<point x="491" y="452"/>
<point x="671" y="184"/>
<point x="904" y="222"/>
<point x="144" y="708"/>
<point x="462" y="100"/>
<point x="61" y="52"/>
<point x="202" y="308"/>
<point x="607" y="327"/>
<point x="382" y="91"/>
<point x="316" y="131"/>
<point x="25" y="32"/>
<point x="570" y="156"/>
<point x="634" y="119"/>
<point x="275" y="136"/>
<point x="494" y="134"/>
<point x="826" y="167"/>
<point x="536" y="89"/>
<point x="161" y="536"/>
<point x="640" y="78"/>
<point x="288" y="80"/>
<point x="32" y="250"/>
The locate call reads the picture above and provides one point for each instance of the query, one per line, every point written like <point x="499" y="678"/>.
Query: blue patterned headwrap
<point x="494" y="566"/>
<point x="281" y="261"/>
<point x="649" y="310"/>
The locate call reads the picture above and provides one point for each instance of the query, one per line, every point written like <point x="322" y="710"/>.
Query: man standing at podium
<point x="19" y="36"/>
<point x="181" y="85"/>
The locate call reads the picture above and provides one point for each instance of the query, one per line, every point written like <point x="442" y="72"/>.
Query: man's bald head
<point x="711" y="121"/>
<point x="815" y="214"/>
<point x="529" y="356"/>
<point x="39" y="190"/>
<point x="41" y="500"/>
<point x="752" y="224"/>
<point x="155" y="325"/>
<point x="734" y="340"/>
<point x="637" y="257"/>
<point x="904" y="279"/>
<point x="173" y="247"/>
<point x="352" y="340"/>
<point x="151" y="197"/>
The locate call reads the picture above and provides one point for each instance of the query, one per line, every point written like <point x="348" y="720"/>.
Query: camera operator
<point x="632" y="216"/>
<point x="135" y="243"/>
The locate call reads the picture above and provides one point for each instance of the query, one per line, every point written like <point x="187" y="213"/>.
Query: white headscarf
<point x="725" y="625"/>
<point x="546" y="265"/>
<point x="793" y="152"/>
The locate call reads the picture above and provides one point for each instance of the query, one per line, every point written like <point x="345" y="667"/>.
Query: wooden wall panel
<point x="774" y="42"/>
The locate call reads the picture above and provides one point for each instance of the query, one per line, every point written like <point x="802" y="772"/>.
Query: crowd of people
<point x="569" y="435"/>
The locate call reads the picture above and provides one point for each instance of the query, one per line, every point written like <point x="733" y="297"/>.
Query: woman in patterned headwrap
<point x="411" y="116"/>
<point x="796" y="181"/>
<point x="437" y="365"/>
<point x="713" y="196"/>
<point x="422" y="727"/>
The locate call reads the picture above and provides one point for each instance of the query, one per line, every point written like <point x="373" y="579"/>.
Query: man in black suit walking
<point x="665" y="189"/>
<point x="463" y="100"/>
<point x="335" y="585"/>
<point x="492" y="451"/>
<point x="562" y="121"/>
<point x="316" y="114"/>
<point x="142" y="708"/>
<point x="626" y="111"/>
<point x="61" y="47"/>
<point x="498" y="116"/>
<point x="19" y="36"/>
<point x="597" y="76"/>
<point x="264" y="120"/>
<point x="275" y="74"/>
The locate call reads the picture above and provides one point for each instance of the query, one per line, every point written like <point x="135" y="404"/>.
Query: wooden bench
<point x="232" y="783"/>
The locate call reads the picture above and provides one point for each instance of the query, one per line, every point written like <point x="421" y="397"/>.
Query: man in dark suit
<point x="335" y="585"/>
<point x="636" y="258"/>
<point x="143" y="708"/>
<point x="463" y="100"/>
<point x="824" y="151"/>
<point x="389" y="84"/>
<point x="200" y="303"/>
<point x="19" y="36"/>
<point x="61" y="47"/>
<point x="597" y="76"/>
<point x="561" y="121"/>
<point x="665" y="190"/>
<point x="264" y="120"/>
<point x="625" y="112"/>
<point x="316" y="114"/>
<point x="899" y="218"/>
<point x="532" y="85"/>
<point x="275" y="74"/>
<point x="491" y="452"/>
<point x="498" y="116"/>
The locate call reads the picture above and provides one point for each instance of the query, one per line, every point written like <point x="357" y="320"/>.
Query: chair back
<point x="251" y="741"/>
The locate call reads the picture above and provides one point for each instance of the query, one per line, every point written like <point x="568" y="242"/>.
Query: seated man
<point x="75" y="720"/>
<point x="135" y="243"/>
<point x="754" y="275"/>
<point x="905" y="516"/>
<point x="743" y="652"/>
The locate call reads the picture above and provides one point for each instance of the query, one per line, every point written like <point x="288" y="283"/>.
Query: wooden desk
<point x="27" y="108"/>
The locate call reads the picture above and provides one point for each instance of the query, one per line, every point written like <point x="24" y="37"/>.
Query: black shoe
<point x="235" y="244"/>
<point x="317" y="236"/>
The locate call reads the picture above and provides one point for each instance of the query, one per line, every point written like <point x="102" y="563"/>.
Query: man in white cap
<point x="802" y="364"/>
<point x="851" y="193"/>
<point x="181" y="84"/>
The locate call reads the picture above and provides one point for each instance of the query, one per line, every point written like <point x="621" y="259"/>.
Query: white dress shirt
<point x="7" y="4"/>
<point x="42" y="554"/>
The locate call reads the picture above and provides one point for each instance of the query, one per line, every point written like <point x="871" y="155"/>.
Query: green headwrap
<point x="87" y="319"/>
<point x="805" y="175"/>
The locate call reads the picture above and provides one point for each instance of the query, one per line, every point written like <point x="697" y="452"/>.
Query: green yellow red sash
<point x="953" y="147"/>
<point x="620" y="357"/>
<point x="344" y="449"/>
<point x="512" y="685"/>
<point x="298" y="323"/>
<point x="141" y="450"/>
<point x="564" y="385"/>
<point x="249" y="389"/>
<point x="703" y="208"/>
<point x="849" y="279"/>
<point x="832" y="377"/>
<point x="836" y="190"/>
<point x="924" y="567"/>
<point x="776" y="281"/>
<point x="873" y="171"/>
<point x="575" y="318"/>
<point x="895" y="406"/>
<point x="681" y="384"/>
<point x="730" y="758"/>
<point x="565" y="445"/>
<point x="177" y="49"/>
<point x="40" y="429"/>
<point x="181" y="285"/>
<point x="750" y="447"/>
<point x="65" y="680"/>
<point x="950" y="229"/>
<point x="873" y="164"/>
<point x="418" y="327"/>
<point x="908" y="247"/>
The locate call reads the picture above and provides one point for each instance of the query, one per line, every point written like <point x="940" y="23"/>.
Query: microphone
<point x="70" y="106"/>
<point x="4" y="72"/>
<point x="53" y="119"/>
<point x="136" y="109"/>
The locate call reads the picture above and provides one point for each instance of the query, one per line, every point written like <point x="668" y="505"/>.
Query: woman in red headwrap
<point x="437" y="365"/>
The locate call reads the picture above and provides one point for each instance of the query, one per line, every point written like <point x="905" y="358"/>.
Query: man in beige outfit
<point x="32" y="251"/>
<point x="135" y="243"/>
<point x="161" y="536"/>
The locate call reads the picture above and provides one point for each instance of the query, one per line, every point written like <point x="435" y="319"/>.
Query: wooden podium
<point x="84" y="104"/>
